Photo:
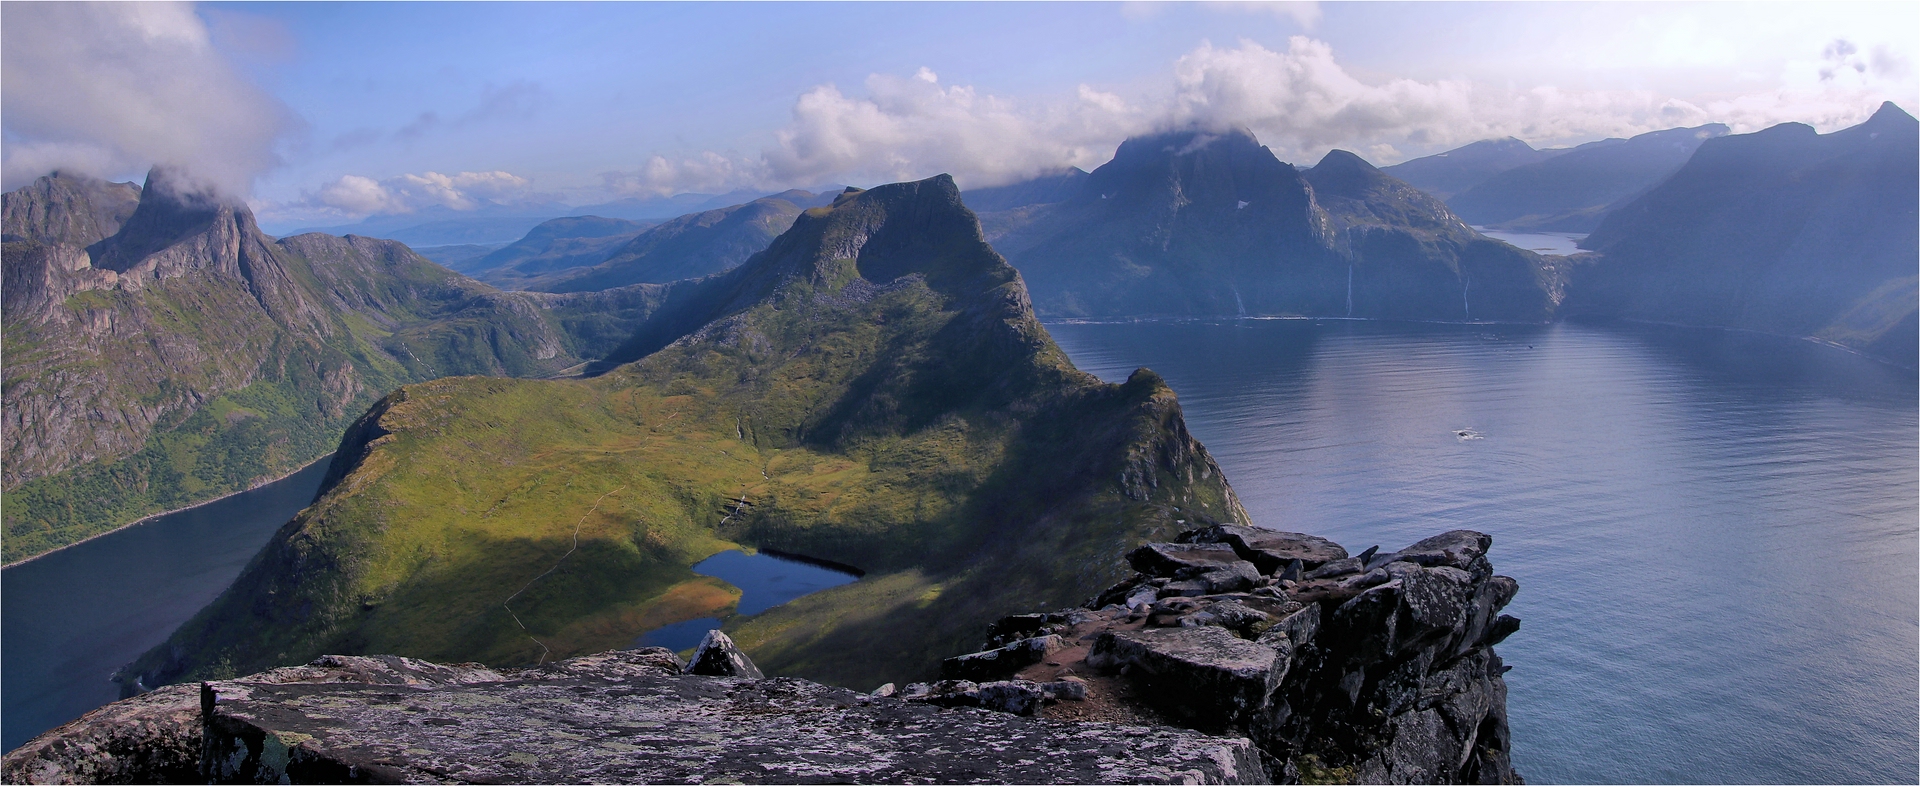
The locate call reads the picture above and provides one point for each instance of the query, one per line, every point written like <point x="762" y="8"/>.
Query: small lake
<point x="1554" y="243"/>
<point x="765" y="580"/>
<point x="1714" y="532"/>
<point x="70" y="618"/>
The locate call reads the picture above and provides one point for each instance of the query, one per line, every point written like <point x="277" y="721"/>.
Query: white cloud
<point x="354" y="195"/>
<point x="112" y="88"/>
<point x="906" y="128"/>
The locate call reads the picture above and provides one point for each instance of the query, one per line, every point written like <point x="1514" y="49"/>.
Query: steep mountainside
<point x="189" y="355"/>
<point x="693" y="245"/>
<point x="1212" y="224"/>
<point x="1572" y="192"/>
<point x="873" y="389"/>
<point x="1411" y="258"/>
<point x="1446" y="174"/>
<point x="557" y="245"/>
<point x="68" y="208"/>
<point x="1784" y="231"/>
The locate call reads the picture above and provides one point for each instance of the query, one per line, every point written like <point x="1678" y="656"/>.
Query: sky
<point x="319" y="112"/>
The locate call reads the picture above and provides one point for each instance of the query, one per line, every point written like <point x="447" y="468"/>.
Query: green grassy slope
<point x="873" y="389"/>
<point x="216" y="359"/>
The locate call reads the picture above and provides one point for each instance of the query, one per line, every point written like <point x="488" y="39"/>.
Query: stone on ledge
<point x="1272" y="550"/>
<point x="718" y="657"/>
<point x="1169" y="559"/>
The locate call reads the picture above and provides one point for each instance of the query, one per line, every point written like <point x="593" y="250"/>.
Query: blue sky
<point x="329" y="111"/>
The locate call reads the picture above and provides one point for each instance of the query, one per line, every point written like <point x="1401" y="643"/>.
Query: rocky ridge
<point x="1234" y="655"/>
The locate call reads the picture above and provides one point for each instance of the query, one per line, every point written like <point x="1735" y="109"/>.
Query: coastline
<point x="151" y="516"/>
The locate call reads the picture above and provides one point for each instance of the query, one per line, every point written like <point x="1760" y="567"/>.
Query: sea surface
<point x="765" y="581"/>
<point x="1714" y="532"/>
<point x="70" y="618"/>
<point x="1555" y="243"/>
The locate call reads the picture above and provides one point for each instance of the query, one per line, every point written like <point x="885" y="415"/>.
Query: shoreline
<point x="151" y="516"/>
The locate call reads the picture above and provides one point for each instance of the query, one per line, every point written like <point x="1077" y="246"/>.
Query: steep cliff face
<point x="873" y="389"/>
<point x="1782" y="231"/>
<point x="1409" y="257"/>
<point x="186" y="354"/>
<point x="1212" y="224"/>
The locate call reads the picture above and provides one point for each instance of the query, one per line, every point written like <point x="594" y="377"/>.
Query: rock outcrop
<point x="1371" y="669"/>
<point x="618" y="717"/>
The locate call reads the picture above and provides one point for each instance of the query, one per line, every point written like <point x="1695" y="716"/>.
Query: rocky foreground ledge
<point x="1233" y="656"/>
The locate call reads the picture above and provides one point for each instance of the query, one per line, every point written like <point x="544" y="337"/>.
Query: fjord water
<point x="1714" y="532"/>
<point x="70" y="618"/>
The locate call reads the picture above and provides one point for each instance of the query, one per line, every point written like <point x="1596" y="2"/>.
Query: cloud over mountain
<point x="1301" y="101"/>
<point x="111" y="88"/>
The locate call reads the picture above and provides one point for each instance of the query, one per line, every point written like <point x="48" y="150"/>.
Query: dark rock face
<point x="1783" y="231"/>
<point x="617" y="720"/>
<point x="1409" y="257"/>
<point x="718" y="657"/>
<point x="1377" y="668"/>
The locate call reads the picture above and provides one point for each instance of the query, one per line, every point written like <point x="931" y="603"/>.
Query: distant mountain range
<point x="1561" y="191"/>
<point x="572" y="254"/>
<point x="161" y="350"/>
<point x="495" y="224"/>
<point x="1199" y="223"/>
<point x="1446" y="175"/>
<point x="1784" y="231"/>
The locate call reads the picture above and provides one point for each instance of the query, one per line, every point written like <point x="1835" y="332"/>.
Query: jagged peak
<point x="173" y="206"/>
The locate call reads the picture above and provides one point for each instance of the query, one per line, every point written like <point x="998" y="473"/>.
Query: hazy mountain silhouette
<point x="1784" y="231"/>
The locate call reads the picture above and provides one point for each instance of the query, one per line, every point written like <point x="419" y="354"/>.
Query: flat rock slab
<point x="654" y="728"/>
<point x="1205" y="675"/>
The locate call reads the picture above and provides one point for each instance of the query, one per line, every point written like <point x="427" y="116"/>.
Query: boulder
<point x="1271" y="550"/>
<point x="1001" y="661"/>
<point x="1172" y="559"/>
<point x="1460" y="548"/>
<point x="1204" y="676"/>
<point x="1339" y="567"/>
<point x="718" y="657"/>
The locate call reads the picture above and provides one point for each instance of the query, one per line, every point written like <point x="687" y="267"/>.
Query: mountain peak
<point x="1337" y="159"/>
<point x="1890" y="115"/>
